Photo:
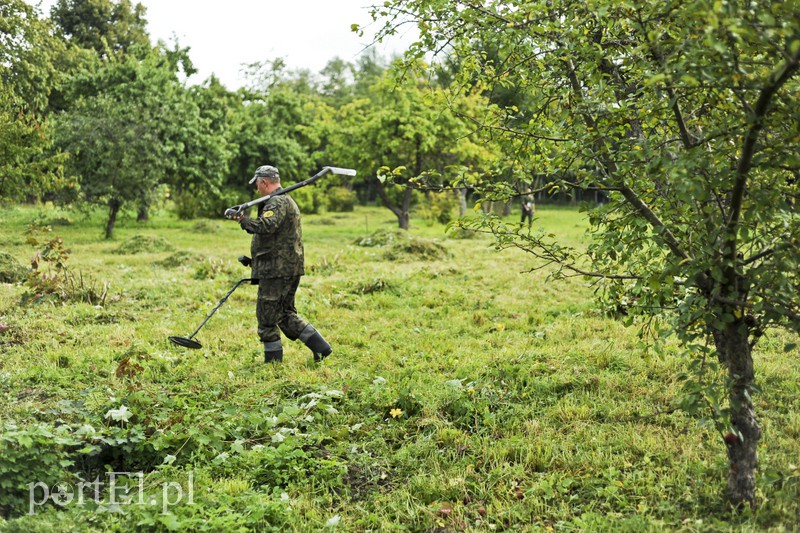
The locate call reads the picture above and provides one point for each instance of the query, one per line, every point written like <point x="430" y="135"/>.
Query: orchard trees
<point x="271" y="128"/>
<point x="28" y="52"/>
<point x="402" y="131"/>
<point x="131" y="127"/>
<point x="686" y="114"/>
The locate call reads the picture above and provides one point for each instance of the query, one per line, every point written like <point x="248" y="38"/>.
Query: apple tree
<point x="686" y="115"/>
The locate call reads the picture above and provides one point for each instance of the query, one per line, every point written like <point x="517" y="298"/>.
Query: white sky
<point x="224" y="35"/>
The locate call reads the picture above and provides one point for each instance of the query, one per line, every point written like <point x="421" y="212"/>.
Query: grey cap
<point x="267" y="171"/>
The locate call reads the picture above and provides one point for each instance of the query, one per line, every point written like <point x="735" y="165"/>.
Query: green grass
<point x="464" y="393"/>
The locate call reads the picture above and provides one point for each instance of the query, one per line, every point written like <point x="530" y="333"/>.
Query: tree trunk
<point x="401" y="211"/>
<point x="403" y="220"/>
<point x="113" y="209"/>
<point x="462" y="202"/>
<point x="143" y="214"/>
<point x="735" y="352"/>
<point x="404" y="217"/>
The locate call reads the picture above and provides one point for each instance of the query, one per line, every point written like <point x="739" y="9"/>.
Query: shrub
<point x="188" y="205"/>
<point x="439" y="207"/>
<point x="185" y="205"/>
<point x="310" y="200"/>
<point x="340" y="199"/>
<point x="33" y="454"/>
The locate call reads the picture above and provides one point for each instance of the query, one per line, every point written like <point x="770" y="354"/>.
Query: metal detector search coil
<point x="190" y="342"/>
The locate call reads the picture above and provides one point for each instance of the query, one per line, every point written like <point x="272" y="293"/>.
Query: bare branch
<point x="541" y="251"/>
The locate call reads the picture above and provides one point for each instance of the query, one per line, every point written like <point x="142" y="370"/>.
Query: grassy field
<point x="464" y="393"/>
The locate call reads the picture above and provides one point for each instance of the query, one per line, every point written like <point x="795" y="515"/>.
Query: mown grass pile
<point x="464" y="393"/>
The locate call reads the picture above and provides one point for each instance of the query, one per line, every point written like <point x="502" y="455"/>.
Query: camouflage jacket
<point x="277" y="245"/>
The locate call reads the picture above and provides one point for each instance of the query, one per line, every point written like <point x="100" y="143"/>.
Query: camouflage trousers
<point x="275" y="309"/>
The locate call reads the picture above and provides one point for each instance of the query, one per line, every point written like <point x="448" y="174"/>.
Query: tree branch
<point x="782" y="73"/>
<point x="509" y="130"/>
<point x="628" y="193"/>
<point x="787" y="313"/>
<point x="551" y="257"/>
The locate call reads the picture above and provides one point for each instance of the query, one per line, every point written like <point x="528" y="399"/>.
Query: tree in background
<point x="114" y="151"/>
<point x="178" y="140"/>
<point x="104" y="26"/>
<point x="133" y="126"/>
<point x="687" y="116"/>
<point x="274" y="121"/>
<point x="197" y="179"/>
<point x="399" y="132"/>
<point x="338" y="85"/>
<point x="28" y="52"/>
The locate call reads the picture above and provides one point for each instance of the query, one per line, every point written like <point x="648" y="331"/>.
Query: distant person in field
<point x="528" y="208"/>
<point x="277" y="263"/>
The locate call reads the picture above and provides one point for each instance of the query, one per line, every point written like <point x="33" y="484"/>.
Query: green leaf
<point x="170" y="521"/>
<point x="653" y="80"/>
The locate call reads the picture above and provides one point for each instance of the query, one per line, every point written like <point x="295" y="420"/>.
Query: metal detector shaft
<point x="235" y="210"/>
<point x="219" y="305"/>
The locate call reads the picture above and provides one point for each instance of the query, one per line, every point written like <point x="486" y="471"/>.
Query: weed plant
<point x="464" y="393"/>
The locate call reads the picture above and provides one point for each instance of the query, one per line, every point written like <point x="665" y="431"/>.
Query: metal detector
<point x="189" y="342"/>
<point x="238" y="209"/>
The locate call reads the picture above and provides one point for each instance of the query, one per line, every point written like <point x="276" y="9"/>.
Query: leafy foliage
<point x="28" y="56"/>
<point x="271" y="128"/>
<point x="134" y="127"/>
<point x="340" y="199"/>
<point x="399" y="130"/>
<point x="105" y="26"/>
<point x="27" y="74"/>
<point x="34" y="452"/>
<point x="309" y="200"/>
